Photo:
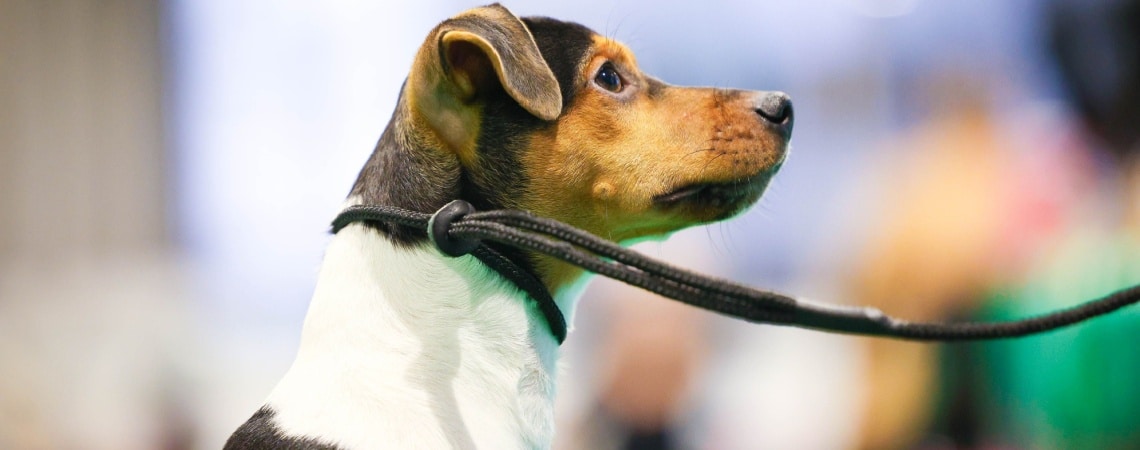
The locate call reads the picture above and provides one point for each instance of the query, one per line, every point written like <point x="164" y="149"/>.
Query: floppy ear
<point x="489" y="45"/>
<point x="478" y="50"/>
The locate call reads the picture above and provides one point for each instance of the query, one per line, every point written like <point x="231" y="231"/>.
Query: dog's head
<point x="547" y="116"/>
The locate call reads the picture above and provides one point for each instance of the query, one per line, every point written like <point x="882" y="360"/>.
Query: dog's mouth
<point x="721" y="199"/>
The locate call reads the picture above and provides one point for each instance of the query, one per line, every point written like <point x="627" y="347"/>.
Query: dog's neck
<point x="406" y="347"/>
<point x="403" y="344"/>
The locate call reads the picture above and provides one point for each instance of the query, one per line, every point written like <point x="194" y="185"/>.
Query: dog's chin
<point x="704" y="202"/>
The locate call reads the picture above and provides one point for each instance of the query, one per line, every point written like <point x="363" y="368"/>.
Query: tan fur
<point x="601" y="167"/>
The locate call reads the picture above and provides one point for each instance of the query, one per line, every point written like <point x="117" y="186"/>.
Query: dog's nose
<point x="776" y="108"/>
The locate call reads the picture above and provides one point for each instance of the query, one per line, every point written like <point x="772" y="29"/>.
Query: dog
<point x="404" y="347"/>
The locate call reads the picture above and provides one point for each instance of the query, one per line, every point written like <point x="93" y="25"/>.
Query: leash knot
<point x="440" y="224"/>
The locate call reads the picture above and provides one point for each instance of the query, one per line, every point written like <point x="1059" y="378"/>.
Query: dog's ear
<point x="476" y="51"/>
<point x="490" y="45"/>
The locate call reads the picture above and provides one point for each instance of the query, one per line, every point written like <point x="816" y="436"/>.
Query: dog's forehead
<point x="566" y="47"/>
<point x="572" y="38"/>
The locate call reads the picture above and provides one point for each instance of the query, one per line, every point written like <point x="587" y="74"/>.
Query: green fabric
<point x="1077" y="388"/>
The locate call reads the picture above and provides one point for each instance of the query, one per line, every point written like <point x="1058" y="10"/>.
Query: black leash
<point x="458" y="230"/>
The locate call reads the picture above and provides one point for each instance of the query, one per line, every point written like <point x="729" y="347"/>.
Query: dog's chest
<point x="403" y="347"/>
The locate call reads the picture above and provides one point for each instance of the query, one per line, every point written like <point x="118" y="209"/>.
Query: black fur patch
<point x="259" y="432"/>
<point x="402" y="172"/>
<point x="506" y="128"/>
<point x="564" y="46"/>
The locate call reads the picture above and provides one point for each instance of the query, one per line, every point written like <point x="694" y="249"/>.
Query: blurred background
<point x="168" y="170"/>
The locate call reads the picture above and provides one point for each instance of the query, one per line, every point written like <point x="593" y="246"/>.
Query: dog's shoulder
<point x="259" y="432"/>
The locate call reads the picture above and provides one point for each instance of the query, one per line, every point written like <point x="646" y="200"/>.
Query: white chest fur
<point x="406" y="348"/>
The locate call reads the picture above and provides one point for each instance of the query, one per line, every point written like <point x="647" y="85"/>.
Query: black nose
<point x="776" y="107"/>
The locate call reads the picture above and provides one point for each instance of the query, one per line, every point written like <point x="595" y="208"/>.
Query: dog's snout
<point x="775" y="107"/>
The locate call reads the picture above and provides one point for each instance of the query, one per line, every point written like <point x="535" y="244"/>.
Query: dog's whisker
<point x="702" y="150"/>
<point x="713" y="159"/>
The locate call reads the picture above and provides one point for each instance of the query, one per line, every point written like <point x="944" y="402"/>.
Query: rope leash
<point x="457" y="229"/>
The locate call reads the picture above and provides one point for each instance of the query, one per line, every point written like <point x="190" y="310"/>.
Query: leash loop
<point x="439" y="227"/>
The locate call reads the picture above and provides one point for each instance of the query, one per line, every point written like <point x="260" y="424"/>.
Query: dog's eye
<point x="608" y="78"/>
